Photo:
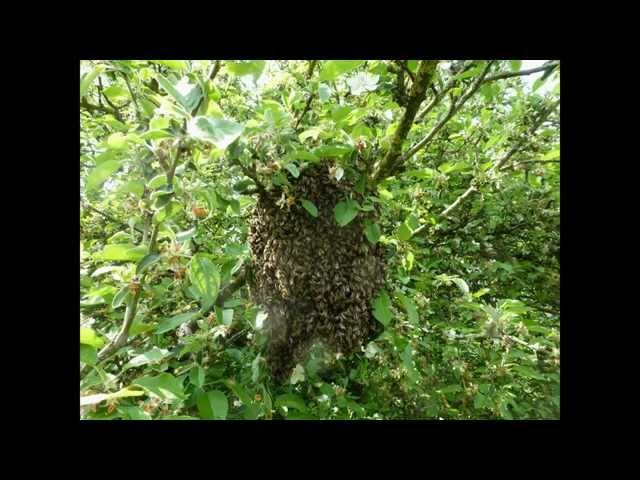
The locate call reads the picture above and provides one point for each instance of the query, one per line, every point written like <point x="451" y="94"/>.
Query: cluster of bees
<point x="315" y="279"/>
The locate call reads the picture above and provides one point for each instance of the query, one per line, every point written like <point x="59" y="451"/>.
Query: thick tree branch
<point x="424" y="78"/>
<point x="403" y="65"/>
<point x="453" y="109"/>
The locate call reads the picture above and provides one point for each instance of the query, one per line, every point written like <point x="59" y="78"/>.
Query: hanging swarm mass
<point x="315" y="279"/>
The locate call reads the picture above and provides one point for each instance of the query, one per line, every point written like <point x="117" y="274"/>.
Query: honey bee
<point x="134" y="286"/>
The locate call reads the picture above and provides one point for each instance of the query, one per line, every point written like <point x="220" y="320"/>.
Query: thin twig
<point x="502" y="75"/>
<point x="109" y="217"/>
<point x="133" y="97"/>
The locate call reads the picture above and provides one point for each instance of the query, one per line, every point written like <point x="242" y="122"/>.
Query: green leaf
<point x="172" y="64"/>
<point x="404" y="232"/>
<point x="332" y="151"/>
<point x="469" y="73"/>
<point x="332" y="69"/>
<point x="197" y="376"/>
<point x="100" y="173"/>
<point x="323" y="92"/>
<point x="291" y="400"/>
<point x="117" y="141"/>
<point x="157" y="181"/>
<point x="310" y="207"/>
<point x="304" y="155"/>
<point x="528" y="372"/>
<point x="346" y="211"/>
<point x="175" y="321"/>
<point x="125" y="392"/>
<point x="159" y="123"/>
<point x="255" y="369"/>
<point x="242" y="68"/>
<point x="537" y="84"/>
<point x="119" y="297"/>
<point x="217" y="131"/>
<point x="88" y="337"/>
<point x="165" y="386"/>
<point x="227" y="316"/>
<point x="213" y="405"/>
<point x="310" y="133"/>
<point x="293" y="169"/>
<point x="381" y="308"/>
<point x="88" y="79"/>
<point x="462" y="285"/>
<point x="154" y="355"/>
<point x="409" y="307"/>
<point x="373" y="233"/>
<point x="205" y="279"/>
<point x="186" y="235"/>
<point x="515" y="65"/>
<point x="122" y="251"/>
<point x="552" y="155"/>
<point x="147" y="261"/>
<point x="116" y="91"/>
<point x="88" y="354"/>
<point x="185" y="93"/>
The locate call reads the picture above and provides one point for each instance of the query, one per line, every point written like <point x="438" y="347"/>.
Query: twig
<point x="252" y="175"/>
<point x="311" y="95"/>
<point x="514" y="165"/>
<point x="540" y="120"/>
<point x="306" y="109"/>
<point x="133" y="97"/>
<point x="500" y="76"/>
<point x="109" y="217"/>
<point x="90" y="107"/>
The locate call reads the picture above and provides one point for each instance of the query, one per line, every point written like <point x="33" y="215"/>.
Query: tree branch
<point x="500" y="76"/>
<point x="109" y="217"/>
<point x="405" y="67"/>
<point x="90" y="107"/>
<point x="133" y="97"/>
<point x="514" y="165"/>
<point x="424" y="78"/>
<point x="304" y="112"/>
<point x="252" y="175"/>
<point x="453" y="109"/>
<point x="311" y="95"/>
<point x="539" y="121"/>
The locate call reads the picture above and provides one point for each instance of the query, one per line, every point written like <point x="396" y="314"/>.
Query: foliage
<point x="173" y="154"/>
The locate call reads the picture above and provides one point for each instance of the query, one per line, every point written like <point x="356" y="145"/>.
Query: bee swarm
<point x="315" y="279"/>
